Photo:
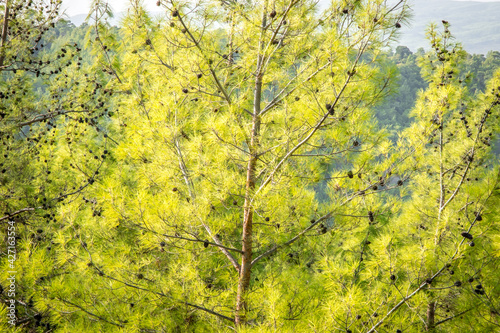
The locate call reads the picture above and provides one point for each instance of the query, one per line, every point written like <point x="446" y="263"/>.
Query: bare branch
<point x="17" y="212"/>
<point x="89" y="313"/>
<point x="212" y="71"/>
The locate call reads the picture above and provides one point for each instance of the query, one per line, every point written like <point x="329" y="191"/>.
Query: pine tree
<point x="237" y="115"/>
<point x="51" y="112"/>
<point x="436" y="260"/>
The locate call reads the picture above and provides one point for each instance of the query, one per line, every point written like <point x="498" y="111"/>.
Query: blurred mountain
<point x="475" y="24"/>
<point x="78" y="19"/>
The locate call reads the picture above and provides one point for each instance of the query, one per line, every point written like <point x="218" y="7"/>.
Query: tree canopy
<point x="243" y="166"/>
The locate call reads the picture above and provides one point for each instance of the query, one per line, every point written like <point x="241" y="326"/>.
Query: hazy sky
<point x="75" y="7"/>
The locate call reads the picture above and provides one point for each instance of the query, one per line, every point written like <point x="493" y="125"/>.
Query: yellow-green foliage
<point x="346" y="224"/>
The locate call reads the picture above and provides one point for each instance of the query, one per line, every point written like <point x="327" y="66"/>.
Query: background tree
<point x="437" y="258"/>
<point x="394" y="111"/>
<point x="51" y="110"/>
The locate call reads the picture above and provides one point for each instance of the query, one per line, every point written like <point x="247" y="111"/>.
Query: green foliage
<point x="53" y="111"/>
<point x="221" y="167"/>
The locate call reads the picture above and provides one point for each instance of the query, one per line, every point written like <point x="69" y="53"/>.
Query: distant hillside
<point x="475" y="24"/>
<point x="78" y="19"/>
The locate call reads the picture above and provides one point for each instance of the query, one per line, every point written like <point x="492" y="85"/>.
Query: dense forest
<point x="266" y="166"/>
<point x="394" y="111"/>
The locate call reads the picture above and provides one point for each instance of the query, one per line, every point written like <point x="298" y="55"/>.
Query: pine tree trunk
<point x="430" y="316"/>
<point x="246" y="258"/>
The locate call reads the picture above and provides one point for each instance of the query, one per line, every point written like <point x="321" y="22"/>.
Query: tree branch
<point x="89" y="313"/>
<point x="29" y="209"/>
<point x="168" y="296"/>
<point x="5" y="28"/>
<point x="450" y="318"/>
<point x="198" y="46"/>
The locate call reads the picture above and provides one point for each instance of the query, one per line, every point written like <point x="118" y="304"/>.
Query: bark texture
<point x="431" y="308"/>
